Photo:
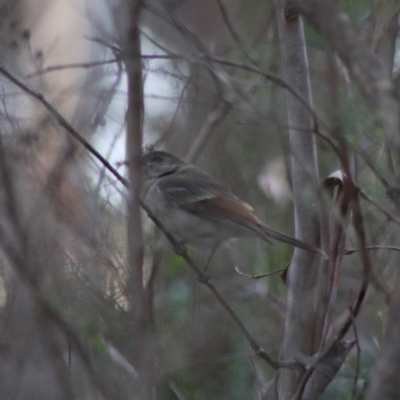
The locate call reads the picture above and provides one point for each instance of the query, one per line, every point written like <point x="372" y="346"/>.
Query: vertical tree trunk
<point x="139" y="304"/>
<point x="301" y="315"/>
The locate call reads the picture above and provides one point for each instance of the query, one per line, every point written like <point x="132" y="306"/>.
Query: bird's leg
<point x="213" y="250"/>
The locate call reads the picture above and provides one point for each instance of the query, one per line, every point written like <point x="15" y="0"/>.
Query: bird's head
<point x="160" y="163"/>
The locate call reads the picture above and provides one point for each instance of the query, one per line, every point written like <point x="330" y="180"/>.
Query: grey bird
<point x="197" y="209"/>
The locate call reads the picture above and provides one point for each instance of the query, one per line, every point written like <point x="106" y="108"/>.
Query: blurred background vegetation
<point x="66" y="327"/>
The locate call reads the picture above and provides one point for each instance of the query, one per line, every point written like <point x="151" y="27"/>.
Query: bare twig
<point x="119" y="359"/>
<point x="367" y="276"/>
<point x="255" y="70"/>
<point x="374" y="247"/>
<point x="106" y="99"/>
<point x="212" y="119"/>
<point x="321" y="369"/>
<point x="93" y="64"/>
<point x="357" y="343"/>
<point x="54" y="68"/>
<point x="170" y="130"/>
<point x="336" y="239"/>
<point x="375" y="203"/>
<point x="176" y="390"/>
<point x="232" y="31"/>
<point x="259" y="276"/>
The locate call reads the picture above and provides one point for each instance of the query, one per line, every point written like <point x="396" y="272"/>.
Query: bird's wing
<point x="188" y="186"/>
<point x="231" y="207"/>
<point x="201" y="194"/>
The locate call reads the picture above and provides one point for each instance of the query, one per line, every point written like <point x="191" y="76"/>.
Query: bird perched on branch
<point x="197" y="209"/>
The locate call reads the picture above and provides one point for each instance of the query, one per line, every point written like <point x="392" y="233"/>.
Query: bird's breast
<point x="183" y="225"/>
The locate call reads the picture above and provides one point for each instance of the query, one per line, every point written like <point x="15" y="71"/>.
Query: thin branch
<point x="93" y="64"/>
<point x="106" y="99"/>
<point x="335" y="226"/>
<point x="119" y="359"/>
<point x="266" y="75"/>
<point x="321" y="369"/>
<point x="367" y="197"/>
<point x="163" y="137"/>
<point x="232" y="31"/>
<point x="374" y="247"/>
<point x="54" y="68"/>
<point x="255" y="70"/>
<point x="385" y="183"/>
<point x="392" y="191"/>
<point x="357" y="340"/>
<point x="183" y="29"/>
<point x="212" y="119"/>
<point x="173" y="386"/>
<point x="259" y="276"/>
<point x="368" y="273"/>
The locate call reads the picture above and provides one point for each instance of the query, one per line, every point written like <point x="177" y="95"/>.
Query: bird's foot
<point x="203" y="277"/>
<point x="180" y="249"/>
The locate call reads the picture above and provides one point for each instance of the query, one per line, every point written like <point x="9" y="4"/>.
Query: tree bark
<point x="301" y="314"/>
<point x="139" y="303"/>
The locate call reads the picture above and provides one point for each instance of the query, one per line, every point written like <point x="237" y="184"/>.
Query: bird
<point x="197" y="209"/>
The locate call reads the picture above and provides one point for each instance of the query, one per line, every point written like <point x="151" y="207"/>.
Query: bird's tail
<point x="281" y="237"/>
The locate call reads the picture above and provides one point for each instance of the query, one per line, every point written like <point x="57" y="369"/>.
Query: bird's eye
<point x="157" y="159"/>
